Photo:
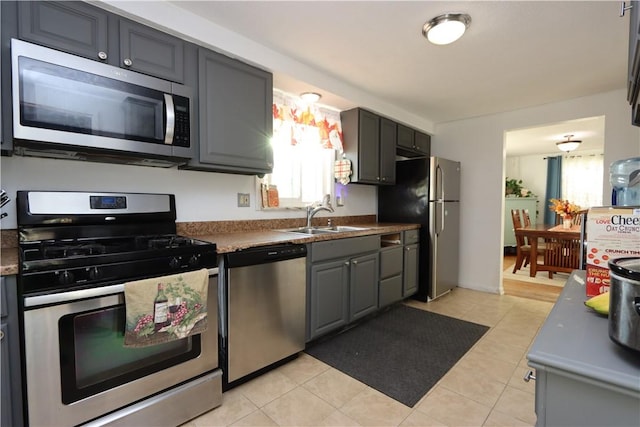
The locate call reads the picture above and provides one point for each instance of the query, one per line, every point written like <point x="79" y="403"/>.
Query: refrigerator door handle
<point x="439" y="183"/>
<point x="442" y="215"/>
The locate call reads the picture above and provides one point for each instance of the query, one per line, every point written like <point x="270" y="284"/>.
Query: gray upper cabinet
<point x="81" y="29"/>
<point x="152" y="52"/>
<point x="369" y="142"/>
<point x="8" y="30"/>
<point x="72" y="27"/>
<point x="236" y="124"/>
<point x="388" y="138"/>
<point x="412" y="142"/>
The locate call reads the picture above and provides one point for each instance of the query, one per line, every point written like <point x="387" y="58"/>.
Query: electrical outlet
<point x="243" y="200"/>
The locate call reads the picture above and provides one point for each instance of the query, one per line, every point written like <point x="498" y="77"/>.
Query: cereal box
<point x="611" y="232"/>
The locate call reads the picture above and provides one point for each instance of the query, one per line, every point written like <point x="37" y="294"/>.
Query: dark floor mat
<point x="402" y="352"/>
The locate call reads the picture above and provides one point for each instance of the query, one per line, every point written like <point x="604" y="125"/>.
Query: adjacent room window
<point x="582" y="180"/>
<point x="305" y="141"/>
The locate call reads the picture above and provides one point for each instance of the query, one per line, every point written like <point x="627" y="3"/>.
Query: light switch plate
<point x="243" y="200"/>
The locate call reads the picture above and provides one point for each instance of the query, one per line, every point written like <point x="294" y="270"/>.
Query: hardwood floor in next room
<point x="536" y="291"/>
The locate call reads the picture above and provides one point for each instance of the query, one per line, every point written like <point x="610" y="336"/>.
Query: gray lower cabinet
<point x="329" y="297"/>
<point x="235" y="115"/>
<point x="343" y="282"/>
<point x="391" y="266"/>
<point x="582" y="378"/>
<point x="85" y="30"/>
<point x="10" y="379"/>
<point x="410" y="270"/>
<point x="411" y="250"/>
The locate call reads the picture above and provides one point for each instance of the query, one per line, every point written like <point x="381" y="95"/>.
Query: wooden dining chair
<point x="562" y="254"/>
<point x="526" y="218"/>
<point x="523" y="250"/>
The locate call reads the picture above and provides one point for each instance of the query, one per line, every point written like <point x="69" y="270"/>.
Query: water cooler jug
<point x="624" y="176"/>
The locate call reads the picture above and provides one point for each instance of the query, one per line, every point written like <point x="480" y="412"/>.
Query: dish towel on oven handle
<point x="166" y="308"/>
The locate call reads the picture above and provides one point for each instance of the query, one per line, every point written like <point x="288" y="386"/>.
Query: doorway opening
<point x="526" y="152"/>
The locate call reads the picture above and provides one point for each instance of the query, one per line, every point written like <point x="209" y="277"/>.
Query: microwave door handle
<point x="171" y="118"/>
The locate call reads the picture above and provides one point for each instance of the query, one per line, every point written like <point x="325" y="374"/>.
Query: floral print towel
<point x="165" y="308"/>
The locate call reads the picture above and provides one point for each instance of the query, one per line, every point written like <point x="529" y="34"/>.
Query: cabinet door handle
<point x="127" y="62"/>
<point x="407" y="249"/>
<point x="355" y="262"/>
<point x="102" y="55"/>
<point x="1" y="335"/>
<point x="346" y="263"/>
<point x="529" y="376"/>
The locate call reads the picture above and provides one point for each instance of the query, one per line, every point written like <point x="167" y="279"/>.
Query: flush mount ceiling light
<point x="310" y="97"/>
<point x="568" y="145"/>
<point x="446" y="28"/>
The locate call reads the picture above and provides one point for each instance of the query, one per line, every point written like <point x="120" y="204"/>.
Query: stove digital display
<point x="108" y="202"/>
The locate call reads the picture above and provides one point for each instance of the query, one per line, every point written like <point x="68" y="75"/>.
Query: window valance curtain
<point x="298" y="123"/>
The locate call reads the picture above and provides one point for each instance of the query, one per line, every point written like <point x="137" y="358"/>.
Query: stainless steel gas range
<point x="77" y="249"/>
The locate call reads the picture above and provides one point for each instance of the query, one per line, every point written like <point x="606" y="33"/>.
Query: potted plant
<point x="513" y="188"/>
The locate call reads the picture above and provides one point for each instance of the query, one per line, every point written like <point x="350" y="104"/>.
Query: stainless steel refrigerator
<point x="427" y="192"/>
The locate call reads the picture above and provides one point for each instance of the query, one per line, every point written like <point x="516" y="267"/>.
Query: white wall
<point x="200" y="196"/>
<point x="479" y="144"/>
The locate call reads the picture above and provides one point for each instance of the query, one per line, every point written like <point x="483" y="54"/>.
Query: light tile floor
<point x="485" y="387"/>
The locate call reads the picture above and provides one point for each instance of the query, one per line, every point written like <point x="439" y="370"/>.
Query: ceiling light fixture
<point x="310" y="97"/>
<point x="568" y="145"/>
<point x="446" y="28"/>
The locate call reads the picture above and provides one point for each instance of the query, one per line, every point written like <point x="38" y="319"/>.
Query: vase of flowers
<point x="566" y="210"/>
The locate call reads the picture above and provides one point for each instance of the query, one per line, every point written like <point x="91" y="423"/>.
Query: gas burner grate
<point x="58" y="251"/>
<point x="163" y="242"/>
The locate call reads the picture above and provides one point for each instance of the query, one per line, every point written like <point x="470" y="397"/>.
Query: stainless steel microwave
<point x="66" y="106"/>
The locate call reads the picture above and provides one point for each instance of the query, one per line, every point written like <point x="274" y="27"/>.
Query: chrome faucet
<point x="314" y="208"/>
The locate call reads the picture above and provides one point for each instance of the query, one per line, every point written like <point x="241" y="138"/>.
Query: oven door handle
<point x="61" y="297"/>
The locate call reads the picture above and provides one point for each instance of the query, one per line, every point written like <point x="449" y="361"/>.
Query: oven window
<point x="93" y="357"/>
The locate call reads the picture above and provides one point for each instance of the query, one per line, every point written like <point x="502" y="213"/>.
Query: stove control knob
<point x="94" y="273"/>
<point x="66" y="278"/>
<point x="174" y="263"/>
<point x="194" y="261"/>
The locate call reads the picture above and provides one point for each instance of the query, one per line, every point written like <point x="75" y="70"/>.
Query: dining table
<point x="562" y="247"/>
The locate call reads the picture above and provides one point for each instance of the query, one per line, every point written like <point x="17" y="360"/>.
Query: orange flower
<point x="564" y="208"/>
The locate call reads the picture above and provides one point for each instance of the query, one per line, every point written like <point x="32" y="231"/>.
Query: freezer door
<point x="444" y="233"/>
<point x="445" y="179"/>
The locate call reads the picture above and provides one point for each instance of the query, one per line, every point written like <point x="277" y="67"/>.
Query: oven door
<point x="77" y="368"/>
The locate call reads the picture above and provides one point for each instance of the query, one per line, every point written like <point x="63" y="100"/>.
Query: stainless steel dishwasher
<point x="263" y="320"/>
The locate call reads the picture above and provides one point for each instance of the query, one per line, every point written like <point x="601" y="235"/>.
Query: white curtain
<point x="305" y="140"/>
<point x="582" y="180"/>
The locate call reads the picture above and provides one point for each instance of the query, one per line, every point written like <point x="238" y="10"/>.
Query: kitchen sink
<point x="308" y="230"/>
<point x="324" y="230"/>
<point x="340" y="228"/>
